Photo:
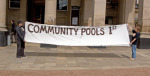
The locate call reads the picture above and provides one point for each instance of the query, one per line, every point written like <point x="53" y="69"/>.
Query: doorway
<point x="36" y="11"/>
<point x="75" y="13"/>
<point x="112" y="12"/>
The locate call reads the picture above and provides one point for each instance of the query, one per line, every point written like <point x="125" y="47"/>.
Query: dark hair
<point x="19" y="22"/>
<point x="13" y="21"/>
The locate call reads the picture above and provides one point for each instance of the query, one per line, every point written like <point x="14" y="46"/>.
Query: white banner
<point x="114" y="35"/>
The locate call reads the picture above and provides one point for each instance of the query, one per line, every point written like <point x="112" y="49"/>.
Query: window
<point x="14" y="4"/>
<point x="137" y="4"/>
<point x="62" y="4"/>
<point x="108" y="1"/>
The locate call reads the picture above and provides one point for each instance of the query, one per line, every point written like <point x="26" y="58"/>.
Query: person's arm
<point x="24" y="30"/>
<point x="132" y="41"/>
<point x="130" y="27"/>
<point x="18" y="32"/>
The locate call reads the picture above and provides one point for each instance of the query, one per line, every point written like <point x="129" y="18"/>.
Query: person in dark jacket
<point x="13" y="31"/>
<point x="20" y="39"/>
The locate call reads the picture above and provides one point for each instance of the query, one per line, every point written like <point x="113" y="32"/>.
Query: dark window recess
<point x="109" y="20"/>
<point x="108" y="1"/>
<point x="137" y="4"/>
<point x="62" y="4"/>
<point x="14" y="4"/>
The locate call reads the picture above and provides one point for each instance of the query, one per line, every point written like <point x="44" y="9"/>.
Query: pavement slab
<point x="106" y="72"/>
<point x="71" y="58"/>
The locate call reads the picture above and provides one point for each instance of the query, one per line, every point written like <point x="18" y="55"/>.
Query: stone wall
<point x="16" y="14"/>
<point x="126" y="12"/>
<point x="3" y="15"/>
<point x="88" y="9"/>
<point x="144" y="15"/>
<point x="92" y="12"/>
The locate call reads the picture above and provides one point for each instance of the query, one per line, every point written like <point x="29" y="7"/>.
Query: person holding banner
<point x="20" y="40"/>
<point x="133" y="43"/>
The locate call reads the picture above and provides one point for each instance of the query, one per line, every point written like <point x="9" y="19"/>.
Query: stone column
<point x="23" y="10"/>
<point x="144" y="15"/>
<point x="3" y="15"/>
<point x="88" y="12"/>
<point x="130" y="12"/>
<point x="50" y="11"/>
<point x="99" y="12"/>
<point x="127" y="12"/>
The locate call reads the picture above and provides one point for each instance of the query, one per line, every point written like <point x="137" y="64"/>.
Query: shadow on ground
<point x="104" y="55"/>
<point x="124" y="56"/>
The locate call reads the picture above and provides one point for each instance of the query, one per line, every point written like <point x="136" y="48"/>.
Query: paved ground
<point x="83" y="59"/>
<point x="114" y="72"/>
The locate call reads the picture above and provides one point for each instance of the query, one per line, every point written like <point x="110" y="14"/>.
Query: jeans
<point x="134" y="51"/>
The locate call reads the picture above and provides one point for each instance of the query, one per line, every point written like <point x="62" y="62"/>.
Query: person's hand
<point x="130" y="27"/>
<point x="24" y="41"/>
<point x="130" y="43"/>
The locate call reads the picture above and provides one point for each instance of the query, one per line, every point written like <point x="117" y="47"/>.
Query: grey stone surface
<point x="71" y="58"/>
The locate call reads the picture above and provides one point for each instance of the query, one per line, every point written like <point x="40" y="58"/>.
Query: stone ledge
<point x="3" y="29"/>
<point x="3" y="38"/>
<point x="143" y="34"/>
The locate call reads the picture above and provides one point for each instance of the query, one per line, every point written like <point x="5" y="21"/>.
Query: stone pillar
<point x="23" y="10"/>
<point x="50" y="11"/>
<point x="3" y="15"/>
<point x="144" y="15"/>
<point x="127" y="12"/>
<point x="88" y="12"/>
<point x="99" y="12"/>
<point x="130" y="12"/>
<point x="121" y="11"/>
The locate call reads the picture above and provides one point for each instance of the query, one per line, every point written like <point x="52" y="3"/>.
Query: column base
<point x="3" y="29"/>
<point x="3" y="38"/>
<point x="146" y="29"/>
<point x="144" y="42"/>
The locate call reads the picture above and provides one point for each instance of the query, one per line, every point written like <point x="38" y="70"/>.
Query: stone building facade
<point x="76" y="12"/>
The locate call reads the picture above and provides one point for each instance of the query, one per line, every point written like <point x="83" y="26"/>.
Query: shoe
<point x="18" y="56"/>
<point x="132" y="59"/>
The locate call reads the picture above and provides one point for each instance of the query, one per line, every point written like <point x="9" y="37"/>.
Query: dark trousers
<point x="20" y="48"/>
<point x="13" y="34"/>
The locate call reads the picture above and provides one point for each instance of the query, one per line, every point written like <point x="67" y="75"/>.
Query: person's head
<point x="20" y="23"/>
<point x="137" y="28"/>
<point x="12" y="21"/>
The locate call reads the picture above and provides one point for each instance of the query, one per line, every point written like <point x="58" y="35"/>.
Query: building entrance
<point x="75" y="15"/>
<point x="36" y="11"/>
